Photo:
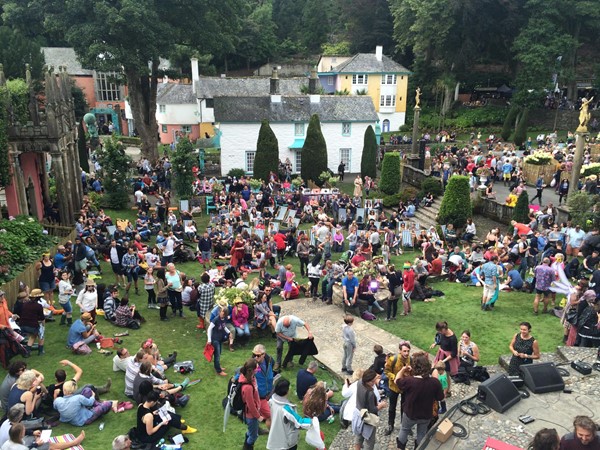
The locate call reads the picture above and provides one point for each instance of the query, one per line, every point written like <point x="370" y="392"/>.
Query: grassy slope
<point x="492" y="331"/>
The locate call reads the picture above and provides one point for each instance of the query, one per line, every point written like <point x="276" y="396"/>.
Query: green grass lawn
<point x="492" y="331"/>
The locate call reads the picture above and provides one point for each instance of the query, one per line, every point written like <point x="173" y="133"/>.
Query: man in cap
<point x="82" y="330"/>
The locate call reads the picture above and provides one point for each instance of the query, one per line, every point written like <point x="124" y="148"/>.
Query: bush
<point x="21" y="242"/>
<point x="521" y="131"/>
<point x="456" y="204"/>
<point x="115" y="167"/>
<point x="583" y="211"/>
<point x="266" y="159"/>
<point x="509" y="123"/>
<point x="314" y="152"/>
<point x="183" y="160"/>
<point x="237" y="173"/>
<point x="368" y="161"/>
<point x="433" y="185"/>
<point x="521" y="211"/>
<point x="390" y="173"/>
<point x="391" y="201"/>
<point x="129" y="140"/>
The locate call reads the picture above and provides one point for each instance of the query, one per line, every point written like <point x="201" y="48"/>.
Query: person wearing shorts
<point x="130" y="263"/>
<point x="489" y="272"/>
<point x="544" y="275"/>
<point x="289" y="279"/>
<point x="575" y="237"/>
<point x="116" y="253"/>
<point x="47" y="280"/>
<point x="65" y="291"/>
<point x="205" y="247"/>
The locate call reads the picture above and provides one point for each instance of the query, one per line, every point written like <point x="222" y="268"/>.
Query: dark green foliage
<point x="509" y="123"/>
<point x="266" y="159"/>
<point x="456" y="204"/>
<point x="79" y="102"/>
<point x="583" y="211"/>
<point x="236" y="173"/>
<point x="390" y="173"/>
<point x="433" y="185"/>
<point x="521" y="210"/>
<point x="184" y="159"/>
<point x="368" y="163"/>
<point x="521" y="131"/>
<point x="115" y="167"/>
<point x="314" y="152"/>
<point x="391" y="201"/>
<point x="82" y="149"/>
<point x="461" y="119"/>
<point x="4" y="161"/>
<point x="16" y="50"/>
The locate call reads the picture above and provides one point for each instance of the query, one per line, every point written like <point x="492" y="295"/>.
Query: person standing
<point x="365" y="437"/>
<point x="524" y="348"/>
<point x="251" y="402"/>
<point x="341" y="170"/>
<point x="563" y="190"/>
<point x="303" y="250"/>
<point x="408" y="280"/>
<point x="217" y="333"/>
<point x="358" y="183"/>
<point x="65" y="291"/>
<point x="284" y="432"/>
<point x="130" y="263"/>
<point x="393" y="366"/>
<point x="349" y="338"/>
<point x="46" y="280"/>
<point x="87" y="300"/>
<point x="421" y="391"/>
<point x="206" y="297"/>
<point x="448" y="351"/>
<point x="264" y="380"/>
<point x="395" y="285"/>
<point x="539" y="187"/>
<point x="544" y="276"/>
<point x="174" y="289"/>
<point x="489" y="272"/>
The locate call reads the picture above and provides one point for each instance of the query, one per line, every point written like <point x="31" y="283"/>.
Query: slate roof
<point x="295" y="109"/>
<point x="175" y="94"/>
<point x="367" y="63"/>
<point x="212" y="87"/>
<point x="64" y="56"/>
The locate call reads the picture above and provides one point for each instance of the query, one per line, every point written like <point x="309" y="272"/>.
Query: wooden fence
<point x="29" y="276"/>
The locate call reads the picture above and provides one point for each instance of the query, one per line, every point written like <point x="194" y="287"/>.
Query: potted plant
<point x="483" y="173"/>
<point x="217" y="188"/>
<point x="255" y="184"/>
<point x="333" y="181"/>
<point x="297" y="182"/>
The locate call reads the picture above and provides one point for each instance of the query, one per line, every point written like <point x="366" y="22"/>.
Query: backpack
<point x="366" y="315"/>
<point x="234" y="396"/>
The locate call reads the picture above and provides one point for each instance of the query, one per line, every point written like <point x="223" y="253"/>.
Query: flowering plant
<point x="366" y="268"/>
<point x="539" y="158"/>
<point x="590" y="169"/>
<point x="483" y="172"/>
<point x="229" y="295"/>
<point x="217" y="187"/>
<point x="297" y="182"/>
<point x="254" y="183"/>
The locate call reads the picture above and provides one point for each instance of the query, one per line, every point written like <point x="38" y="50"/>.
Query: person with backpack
<point x="264" y="380"/>
<point x="393" y="366"/>
<point x="251" y="401"/>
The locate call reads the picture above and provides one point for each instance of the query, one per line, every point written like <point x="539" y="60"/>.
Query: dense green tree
<point x="390" y="173"/>
<point x="314" y="152"/>
<point x="368" y="162"/>
<point x="257" y="41"/>
<point x="16" y="50"/>
<point x="368" y="23"/>
<point x="521" y="131"/>
<point x="315" y="17"/>
<point x="521" y="210"/>
<point x="456" y="204"/>
<point x="509" y="122"/>
<point x="183" y="160"/>
<point x="82" y="148"/>
<point x="130" y="36"/>
<point x="115" y="168"/>
<point x="266" y="159"/>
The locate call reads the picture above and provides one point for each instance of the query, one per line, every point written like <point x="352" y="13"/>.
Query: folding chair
<point x="360" y="212"/>
<point x="111" y="230"/>
<point x="291" y="213"/>
<point x="407" y="240"/>
<point x="184" y="205"/>
<point x="275" y="226"/>
<point x="210" y="203"/>
<point x="342" y="215"/>
<point x="296" y="222"/>
<point x="281" y="213"/>
<point x="312" y="238"/>
<point x="260" y="232"/>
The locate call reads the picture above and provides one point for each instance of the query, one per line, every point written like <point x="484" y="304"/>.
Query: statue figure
<point x="584" y="115"/>
<point x="418" y="98"/>
<point x="90" y="123"/>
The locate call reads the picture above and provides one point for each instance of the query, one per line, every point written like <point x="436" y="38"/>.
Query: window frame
<point x="249" y="157"/>
<point x="162" y="109"/>
<point x="296" y="127"/>
<point x="347" y="132"/>
<point x="348" y="160"/>
<point x="298" y="161"/>
<point x="357" y="77"/>
<point x="164" y="128"/>
<point x="384" y="98"/>
<point x="107" y="91"/>
<point x="386" y="77"/>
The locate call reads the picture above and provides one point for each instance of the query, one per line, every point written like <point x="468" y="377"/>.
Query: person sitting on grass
<point x="127" y="316"/>
<point x="81" y="409"/>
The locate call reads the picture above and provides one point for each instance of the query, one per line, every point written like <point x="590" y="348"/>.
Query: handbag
<point x="369" y="418"/>
<point x="571" y="316"/>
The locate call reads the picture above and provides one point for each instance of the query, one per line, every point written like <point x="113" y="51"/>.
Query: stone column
<point x="68" y="192"/>
<point x="45" y="182"/>
<point x="63" y="201"/>
<point x="415" y="133"/>
<point x="78" y="188"/>
<point x="20" y="185"/>
<point x="577" y="162"/>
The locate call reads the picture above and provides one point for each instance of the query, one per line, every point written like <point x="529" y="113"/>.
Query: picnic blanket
<point x="65" y="438"/>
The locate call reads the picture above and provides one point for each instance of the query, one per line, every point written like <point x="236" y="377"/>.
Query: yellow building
<point x="372" y="74"/>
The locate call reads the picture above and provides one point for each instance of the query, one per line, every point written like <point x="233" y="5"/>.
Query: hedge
<point x="456" y="205"/>
<point x="390" y="173"/>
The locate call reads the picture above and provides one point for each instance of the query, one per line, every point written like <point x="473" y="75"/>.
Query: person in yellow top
<point x="511" y="200"/>
<point x="393" y="365"/>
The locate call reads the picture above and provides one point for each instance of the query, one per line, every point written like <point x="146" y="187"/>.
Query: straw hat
<point x="238" y="300"/>
<point x="90" y="282"/>
<point x="36" y="293"/>
<point x="222" y="303"/>
<point x="86" y="317"/>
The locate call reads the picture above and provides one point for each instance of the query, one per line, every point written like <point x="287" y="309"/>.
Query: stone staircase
<point x="427" y="216"/>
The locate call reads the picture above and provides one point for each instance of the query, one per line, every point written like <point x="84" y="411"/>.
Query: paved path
<point x="548" y="196"/>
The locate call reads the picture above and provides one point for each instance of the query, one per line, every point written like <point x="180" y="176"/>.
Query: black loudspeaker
<point x="499" y="393"/>
<point x="422" y="145"/>
<point x="542" y="377"/>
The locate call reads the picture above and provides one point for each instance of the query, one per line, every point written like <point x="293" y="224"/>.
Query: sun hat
<point x="90" y="282"/>
<point x="222" y="303"/>
<point x="36" y="293"/>
<point x="86" y="317"/>
<point x="238" y="300"/>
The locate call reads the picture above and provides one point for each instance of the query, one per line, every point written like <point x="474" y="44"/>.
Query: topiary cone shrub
<point x="521" y="131"/>
<point x="509" y="123"/>
<point x="314" y="151"/>
<point x="368" y="162"/>
<point x="267" y="153"/>
<point x="456" y="204"/>
<point x="390" y="173"/>
<point x="521" y="211"/>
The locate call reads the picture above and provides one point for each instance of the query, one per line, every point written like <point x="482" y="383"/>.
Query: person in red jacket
<point x="408" y="278"/>
<point x="251" y="401"/>
<point x="237" y="251"/>
<point x="281" y="242"/>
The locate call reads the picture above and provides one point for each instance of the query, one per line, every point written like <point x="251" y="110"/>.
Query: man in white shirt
<point x="168" y="250"/>
<point x="121" y="360"/>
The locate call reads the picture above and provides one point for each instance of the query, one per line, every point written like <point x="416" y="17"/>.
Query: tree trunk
<point x="572" y="61"/>
<point x="142" y="99"/>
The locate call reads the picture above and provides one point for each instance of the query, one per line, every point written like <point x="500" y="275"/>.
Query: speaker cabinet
<point x="542" y="377"/>
<point x="499" y="393"/>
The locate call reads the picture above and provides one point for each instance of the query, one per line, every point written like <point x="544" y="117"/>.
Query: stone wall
<point x="565" y="120"/>
<point x="494" y="210"/>
<point x="412" y="175"/>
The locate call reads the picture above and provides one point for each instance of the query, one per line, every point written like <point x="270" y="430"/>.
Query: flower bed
<point x="590" y="169"/>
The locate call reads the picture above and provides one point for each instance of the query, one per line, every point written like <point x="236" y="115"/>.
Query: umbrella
<point x="226" y="414"/>
<point x="209" y="351"/>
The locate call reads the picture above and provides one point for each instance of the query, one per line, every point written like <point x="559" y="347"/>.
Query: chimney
<point x="379" y="53"/>
<point x="313" y="82"/>
<point x="195" y="73"/>
<point x="274" y="87"/>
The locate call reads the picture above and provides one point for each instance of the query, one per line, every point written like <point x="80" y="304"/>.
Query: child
<point x="440" y="373"/>
<point x="289" y="278"/>
<point x="379" y="361"/>
<point x="149" y="283"/>
<point x="349" y="338"/>
<point x="385" y="253"/>
<point x="408" y="278"/>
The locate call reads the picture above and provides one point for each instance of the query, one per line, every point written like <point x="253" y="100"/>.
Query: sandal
<point x="231" y="349"/>
<point x="105" y="352"/>
<point x="126" y="333"/>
